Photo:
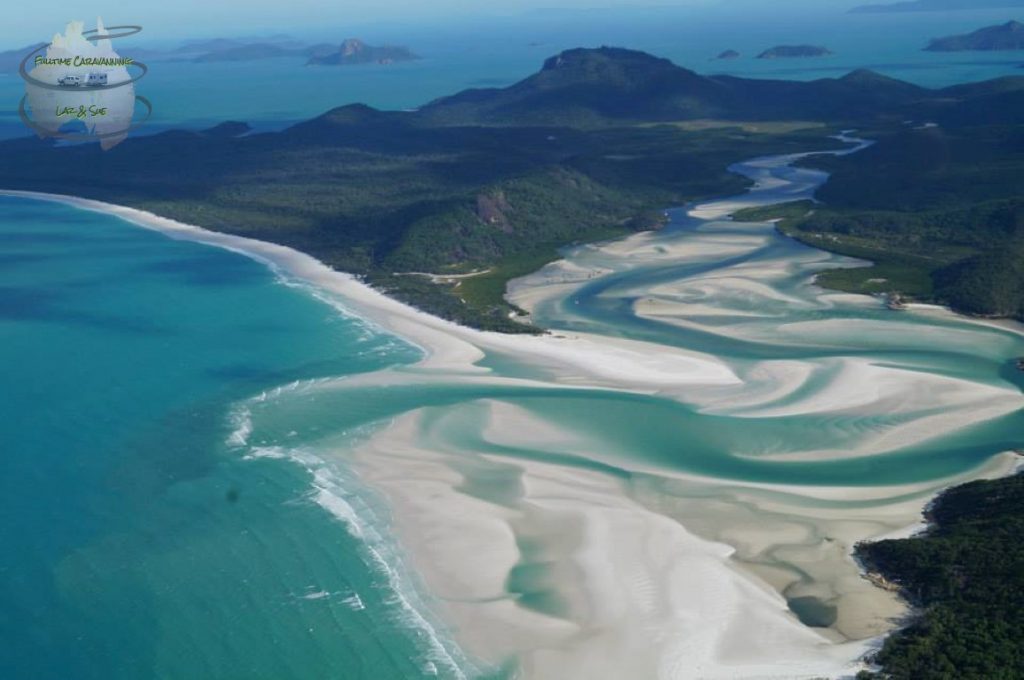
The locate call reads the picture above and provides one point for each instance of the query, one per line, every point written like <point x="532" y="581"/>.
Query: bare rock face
<point x="354" y="51"/>
<point x="492" y="209"/>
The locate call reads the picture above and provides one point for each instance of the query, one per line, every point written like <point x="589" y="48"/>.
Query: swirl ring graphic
<point x="129" y="30"/>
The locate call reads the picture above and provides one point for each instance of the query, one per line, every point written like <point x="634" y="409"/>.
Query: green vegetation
<point x="890" y="270"/>
<point x="939" y="210"/>
<point x="967" y="577"/>
<point x="787" y="214"/>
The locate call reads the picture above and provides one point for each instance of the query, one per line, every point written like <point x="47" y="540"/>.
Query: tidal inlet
<point x="670" y="484"/>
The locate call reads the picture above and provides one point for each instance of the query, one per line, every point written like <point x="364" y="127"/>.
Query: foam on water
<point x="341" y="496"/>
<point x="241" y="423"/>
<point x="333" y="497"/>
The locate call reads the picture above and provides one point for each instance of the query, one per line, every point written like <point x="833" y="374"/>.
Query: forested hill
<point x="599" y="87"/>
<point x="967" y="576"/>
<point x="938" y="206"/>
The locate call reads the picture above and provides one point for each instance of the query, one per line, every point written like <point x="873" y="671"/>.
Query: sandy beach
<point x="640" y="596"/>
<point x="666" y="575"/>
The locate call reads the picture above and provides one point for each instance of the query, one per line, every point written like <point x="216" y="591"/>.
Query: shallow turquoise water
<point x="755" y="308"/>
<point x="766" y="331"/>
<point x="137" y="542"/>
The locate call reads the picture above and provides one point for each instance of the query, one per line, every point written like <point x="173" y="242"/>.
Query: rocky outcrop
<point x="355" y="51"/>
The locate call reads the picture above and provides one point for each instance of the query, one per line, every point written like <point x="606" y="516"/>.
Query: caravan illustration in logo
<point x="78" y="88"/>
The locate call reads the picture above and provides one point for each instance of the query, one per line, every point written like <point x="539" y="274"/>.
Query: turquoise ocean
<point x="138" y="542"/>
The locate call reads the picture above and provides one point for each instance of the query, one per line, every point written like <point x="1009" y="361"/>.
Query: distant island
<point x="791" y="51"/>
<point x="214" y="50"/>
<point x="1008" y="36"/>
<point x="355" y="51"/>
<point x="729" y="54"/>
<point x="936" y="6"/>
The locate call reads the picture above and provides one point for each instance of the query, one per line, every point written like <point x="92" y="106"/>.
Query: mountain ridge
<point x="610" y="85"/>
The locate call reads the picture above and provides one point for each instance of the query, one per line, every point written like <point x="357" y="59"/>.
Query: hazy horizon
<point x="484" y="50"/>
<point x="192" y="18"/>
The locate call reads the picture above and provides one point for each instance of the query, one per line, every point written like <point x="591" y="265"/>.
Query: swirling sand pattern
<point x="654" y="520"/>
<point x="670" y="486"/>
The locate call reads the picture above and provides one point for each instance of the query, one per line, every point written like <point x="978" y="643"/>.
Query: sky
<point x="166" y="20"/>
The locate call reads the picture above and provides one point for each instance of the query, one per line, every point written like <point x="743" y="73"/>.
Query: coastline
<point x="960" y="526"/>
<point x="585" y="508"/>
<point x="446" y="344"/>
